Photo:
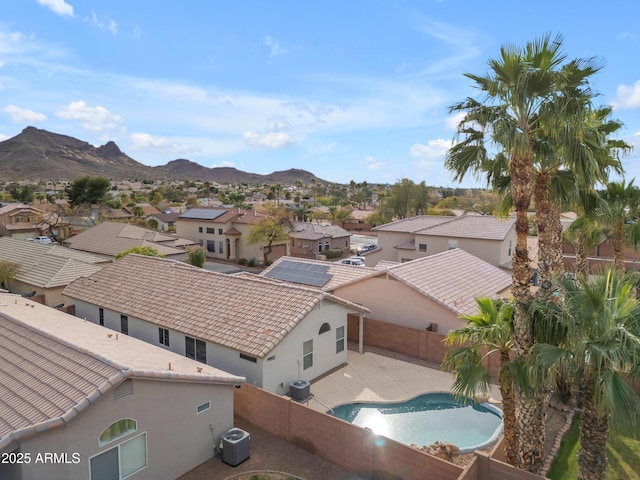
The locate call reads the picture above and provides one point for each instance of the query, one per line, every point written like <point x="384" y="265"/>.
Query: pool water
<point x="428" y="418"/>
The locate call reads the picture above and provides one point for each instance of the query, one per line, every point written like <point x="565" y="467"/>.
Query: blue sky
<point x="349" y="90"/>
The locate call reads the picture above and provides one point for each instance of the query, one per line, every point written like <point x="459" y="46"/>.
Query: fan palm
<point x="488" y="332"/>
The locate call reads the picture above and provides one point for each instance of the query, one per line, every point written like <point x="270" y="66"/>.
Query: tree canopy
<point x="141" y="250"/>
<point x="87" y="190"/>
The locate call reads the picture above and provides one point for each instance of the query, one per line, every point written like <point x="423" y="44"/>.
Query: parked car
<point x="367" y="247"/>
<point x="352" y="261"/>
<point x="42" y="240"/>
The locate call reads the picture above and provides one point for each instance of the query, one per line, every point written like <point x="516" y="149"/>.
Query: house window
<point x="220" y="231"/>
<point x="346" y="243"/>
<point x="101" y="316"/>
<point x="510" y="245"/>
<point x="117" y="430"/>
<point x="453" y="244"/>
<point x="211" y="246"/>
<point x="199" y="229"/>
<point x="327" y="246"/>
<point x="339" y="339"/>
<point x="307" y="354"/>
<point x="203" y="407"/>
<point x="120" y="461"/>
<point x="319" y="246"/>
<point x="195" y="349"/>
<point x="220" y="247"/>
<point x="422" y="247"/>
<point x="271" y="358"/>
<point x="211" y="230"/>
<point x="249" y="358"/>
<point x="163" y="336"/>
<point x="325" y="327"/>
<point x="124" y="324"/>
<point x="200" y="242"/>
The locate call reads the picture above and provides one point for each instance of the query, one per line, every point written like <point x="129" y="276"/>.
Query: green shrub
<point x="333" y="253"/>
<point x="242" y="261"/>
<point x="253" y="262"/>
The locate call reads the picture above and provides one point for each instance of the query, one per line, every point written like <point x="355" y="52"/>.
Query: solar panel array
<point x="300" y="272"/>
<point x="202" y="213"/>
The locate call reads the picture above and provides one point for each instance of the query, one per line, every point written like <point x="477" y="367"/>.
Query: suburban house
<point x="20" y="220"/>
<point x="45" y="269"/>
<point x="145" y="208"/>
<point x="487" y="237"/>
<point x="430" y="292"/>
<point x="166" y="221"/>
<point x="223" y="232"/>
<point x="269" y="332"/>
<point x="82" y="402"/>
<point x="110" y="238"/>
<point x="309" y="239"/>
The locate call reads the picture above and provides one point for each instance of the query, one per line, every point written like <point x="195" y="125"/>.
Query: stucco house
<point x="20" y="220"/>
<point x="487" y="237"/>
<point x="269" y="332"/>
<point x="47" y="269"/>
<point x="80" y="402"/>
<point x="429" y="292"/>
<point x="110" y="238"/>
<point x="309" y="239"/>
<point x="223" y="232"/>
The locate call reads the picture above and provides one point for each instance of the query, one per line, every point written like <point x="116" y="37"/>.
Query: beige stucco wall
<point x="52" y="296"/>
<point x="178" y="438"/>
<point x="394" y="302"/>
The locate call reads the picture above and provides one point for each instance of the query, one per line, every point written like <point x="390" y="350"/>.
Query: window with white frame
<point x="120" y="461"/>
<point x="203" y="407"/>
<point x="422" y="247"/>
<point x="339" y="339"/>
<point x="101" y="316"/>
<point x="195" y="349"/>
<point x="163" y="336"/>
<point x="307" y="354"/>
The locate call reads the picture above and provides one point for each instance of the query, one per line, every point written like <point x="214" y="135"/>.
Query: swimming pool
<point x="428" y="418"/>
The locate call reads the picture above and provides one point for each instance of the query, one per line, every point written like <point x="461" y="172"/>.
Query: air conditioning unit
<point x="235" y="446"/>
<point x="300" y="390"/>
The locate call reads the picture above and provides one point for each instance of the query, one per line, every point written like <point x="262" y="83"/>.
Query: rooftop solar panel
<point x="202" y="213"/>
<point x="300" y="272"/>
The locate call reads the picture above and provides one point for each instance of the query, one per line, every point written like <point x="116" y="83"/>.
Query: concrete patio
<point x="371" y="377"/>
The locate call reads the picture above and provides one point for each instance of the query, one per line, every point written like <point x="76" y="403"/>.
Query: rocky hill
<point x="37" y="154"/>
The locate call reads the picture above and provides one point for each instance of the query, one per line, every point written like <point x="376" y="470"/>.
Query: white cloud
<point x="627" y="97"/>
<point x="453" y="121"/>
<point x="23" y="115"/>
<point x="104" y="23"/>
<point x="224" y="164"/>
<point x="146" y="141"/>
<point x="268" y="140"/>
<point x="322" y="149"/>
<point x="93" y="118"/>
<point x="58" y="6"/>
<point x="275" y="49"/>
<point x="277" y="124"/>
<point x="374" y="164"/>
<point x="433" y="151"/>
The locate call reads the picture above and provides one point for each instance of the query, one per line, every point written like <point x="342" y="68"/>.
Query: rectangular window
<point x="510" y="245"/>
<point x="211" y="230"/>
<point x="163" y="336"/>
<point x="271" y="358"/>
<point x="124" y="324"/>
<point x="203" y="407"/>
<point x="221" y="247"/>
<point x="199" y="229"/>
<point x="339" y="339"/>
<point x="453" y="244"/>
<point x="101" y="316"/>
<point x="195" y="349"/>
<point x="307" y="354"/>
<point x="220" y="231"/>
<point x="249" y="358"/>
<point x="327" y="246"/>
<point x="121" y="461"/>
<point x="200" y="242"/>
<point x="211" y="246"/>
<point x="319" y="246"/>
<point x="422" y="247"/>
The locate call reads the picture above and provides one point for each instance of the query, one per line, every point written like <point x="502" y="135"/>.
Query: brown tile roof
<point x="55" y="365"/>
<point x="111" y="238"/>
<point x="453" y="278"/>
<point x="472" y="226"/>
<point x="243" y="313"/>
<point x="341" y="275"/>
<point x="408" y="225"/>
<point x="315" y="231"/>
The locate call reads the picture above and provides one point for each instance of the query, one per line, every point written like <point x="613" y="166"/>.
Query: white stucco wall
<point x="178" y="438"/>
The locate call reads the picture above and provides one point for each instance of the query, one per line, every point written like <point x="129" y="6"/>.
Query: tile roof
<point x="240" y="312"/>
<point x="55" y="365"/>
<point x="408" y="225"/>
<point x="316" y="231"/>
<point x="472" y="226"/>
<point x="111" y="238"/>
<point x="47" y="266"/>
<point x="340" y="274"/>
<point x="453" y="278"/>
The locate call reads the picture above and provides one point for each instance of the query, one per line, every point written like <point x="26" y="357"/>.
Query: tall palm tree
<point x="599" y="321"/>
<point x="523" y="88"/>
<point x="488" y="332"/>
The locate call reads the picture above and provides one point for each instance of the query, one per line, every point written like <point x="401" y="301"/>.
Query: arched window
<point x="117" y="429"/>
<point x="325" y="327"/>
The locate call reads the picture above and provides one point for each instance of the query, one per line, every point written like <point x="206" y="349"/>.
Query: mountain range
<point x="36" y="154"/>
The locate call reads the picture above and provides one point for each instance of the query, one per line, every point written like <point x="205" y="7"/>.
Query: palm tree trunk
<point x="592" y="459"/>
<point x="582" y="264"/>
<point x="508" y="412"/>
<point x="618" y="245"/>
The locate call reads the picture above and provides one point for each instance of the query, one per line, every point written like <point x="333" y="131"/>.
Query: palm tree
<point x="523" y="89"/>
<point x="491" y="330"/>
<point x="599" y="321"/>
<point x="585" y="233"/>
